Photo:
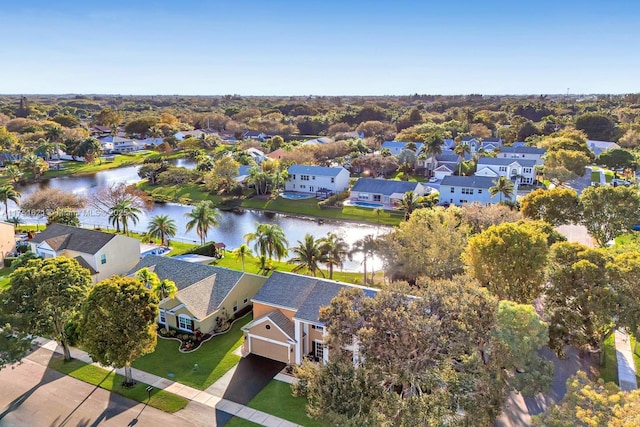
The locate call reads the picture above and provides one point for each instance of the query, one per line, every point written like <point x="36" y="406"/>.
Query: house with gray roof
<point x="522" y="152"/>
<point x="521" y="171"/>
<point x="286" y="312"/>
<point x="317" y="179"/>
<point x="397" y="147"/>
<point x="103" y="254"/>
<point x="599" y="147"/>
<point x="207" y="296"/>
<point x="460" y="190"/>
<point x="382" y="193"/>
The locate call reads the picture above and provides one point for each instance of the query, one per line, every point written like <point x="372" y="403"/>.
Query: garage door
<point x="269" y="350"/>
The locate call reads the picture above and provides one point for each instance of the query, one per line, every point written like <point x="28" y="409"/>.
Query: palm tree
<point x="36" y="165"/>
<point x="7" y="192"/>
<point x="13" y="173"/>
<point x="162" y="226"/>
<point x="148" y="278"/>
<point x="123" y="212"/>
<point x="502" y="186"/>
<point x="334" y="250"/>
<point x="367" y="246"/>
<point x="54" y="134"/>
<point x="165" y="289"/>
<point x="409" y="203"/>
<point x="269" y="240"/>
<point x="241" y="253"/>
<point x="461" y="150"/>
<point x="202" y="217"/>
<point x="308" y="254"/>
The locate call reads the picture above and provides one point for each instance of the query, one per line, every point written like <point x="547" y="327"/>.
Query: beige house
<point x="206" y="295"/>
<point x="286" y="311"/>
<point x="103" y="254"/>
<point x="7" y="240"/>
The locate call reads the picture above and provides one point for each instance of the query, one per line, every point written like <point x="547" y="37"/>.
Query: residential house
<point x="478" y="144"/>
<point x="227" y="136"/>
<point x="599" y="147"/>
<point x="276" y="154"/>
<point x="184" y="134"/>
<point x="286" y="325"/>
<point x="103" y="254"/>
<point x="207" y="296"/>
<point x="321" y="140"/>
<point x="150" y="142"/>
<point x="397" y="147"/>
<point x="100" y="131"/>
<point x="442" y="164"/>
<point x="243" y="173"/>
<point x="255" y="135"/>
<point x="118" y="144"/>
<point x="314" y="179"/>
<point x="385" y="193"/>
<point x="523" y="152"/>
<point x="521" y="171"/>
<point x="257" y="155"/>
<point x="7" y="240"/>
<point x="459" y="190"/>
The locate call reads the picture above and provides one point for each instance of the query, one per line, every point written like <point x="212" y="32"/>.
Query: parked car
<point x="433" y="179"/>
<point x="616" y="182"/>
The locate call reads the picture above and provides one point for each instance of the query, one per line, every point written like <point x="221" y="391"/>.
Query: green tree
<point x="123" y="212"/>
<point x="140" y="126"/>
<point x="596" y="125"/>
<point x="89" y="149"/>
<point x="34" y="164"/>
<point x="202" y="217"/>
<point x="410" y="202"/>
<point x="14" y="344"/>
<point x="118" y="323"/>
<point x="308" y="255"/>
<point x="163" y="227"/>
<point x="461" y="150"/>
<point x="556" y="206"/>
<point x="163" y="290"/>
<point x="44" y="295"/>
<point x="368" y="246"/>
<point x="573" y="161"/>
<point x="241" y="252"/>
<point x="223" y="175"/>
<point x="617" y="159"/>
<point x="334" y="250"/>
<point x="509" y="259"/>
<point x="504" y="187"/>
<point x="13" y="173"/>
<point x="64" y="216"/>
<point x="8" y="193"/>
<point x="270" y="241"/>
<point x="608" y="212"/>
<point x="151" y="171"/>
<point x="108" y="117"/>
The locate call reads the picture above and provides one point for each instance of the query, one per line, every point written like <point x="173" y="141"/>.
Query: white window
<point x="526" y="170"/>
<point x="467" y="191"/>
<point x="304" y="177"/>
<point x="103" y="259"/>
<point x="317" y="328"/>
<point x="319" y="354"/>
<point x="162" y="318"/>
<point x="503" y="169"/>
<point x="185" y="323"/>
<point x="363" y="196"/>
<point x="235" y="306"/>
<point x="246" y="299"/>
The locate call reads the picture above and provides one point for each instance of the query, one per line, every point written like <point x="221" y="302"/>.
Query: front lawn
<point x="111" y="381"/>
<point x="213" y="359"/>
<point x="276" y="399"/>
<point x="609" y="368"/>
<point x="636" y="357"/>
<point x="309" y="207"/>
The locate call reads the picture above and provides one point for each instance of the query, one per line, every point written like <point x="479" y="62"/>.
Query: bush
<point x="9" y="260"/>
<point x="21" y="249"/>
<point x="208" y="249"/>
<point x="333" y="200"/>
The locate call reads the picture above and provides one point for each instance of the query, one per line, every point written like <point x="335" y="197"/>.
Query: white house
<point x="118" y="144"/>
<point x="599" y="147"/>
<point x="257" y="155"/>
<point x="384" y="193"/>
<point x="151" y="141"/>
<point x="522" y="152"/>
<point x="520" y="171"/>
<point x="184" y="134"/>
<point x="397" y="147"/>
<point x="459" y="190"/>
<point x="314" y="179"/>
<point x="103" y="254"/>
<point x="442" y="164"/>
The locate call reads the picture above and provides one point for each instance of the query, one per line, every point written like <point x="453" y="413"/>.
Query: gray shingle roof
<point x="202" y="288"/>
<point x="468" y="181"/>
<point x="85" y="264"/>
<point x="315" y="170"/>
<point x="278" y="318"/>
<point x="322" y="293"/>
<point x="285" y="290"/>
<point x="523" y="150"/>
<point x="505" y="161"/>
<point x="60" y="237"/>
<point x="385" y="187"/>
<point x="449" y="158"/>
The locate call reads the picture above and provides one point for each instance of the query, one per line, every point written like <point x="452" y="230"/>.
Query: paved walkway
<point x="626" y="365"/>
<point x="212" y="397"/>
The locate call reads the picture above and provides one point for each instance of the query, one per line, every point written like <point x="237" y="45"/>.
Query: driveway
<point x="251" y="375"/>
<point x="579" y="184"/>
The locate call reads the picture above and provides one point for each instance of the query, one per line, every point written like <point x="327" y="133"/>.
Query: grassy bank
<point x="112" y="382"/>
<point x="609" y="368"/>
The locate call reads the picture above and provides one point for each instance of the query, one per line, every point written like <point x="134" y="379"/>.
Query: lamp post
<point x="149" y="390"/>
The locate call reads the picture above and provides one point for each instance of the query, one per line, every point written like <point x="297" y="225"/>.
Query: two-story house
<point x="286" y="325"/>
<point x="315" y="179"/>
<point x="522" y="152"/>
<point x="460" y="190"/>
<point x="521" y="171"/>
<point x="103" y="254"/>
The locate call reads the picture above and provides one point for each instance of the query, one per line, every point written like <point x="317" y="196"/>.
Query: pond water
<point x="232" y="228"/>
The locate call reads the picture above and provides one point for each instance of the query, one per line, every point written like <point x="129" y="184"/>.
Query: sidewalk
<point x="626" y="365"/>
<point x="211" y="397"/>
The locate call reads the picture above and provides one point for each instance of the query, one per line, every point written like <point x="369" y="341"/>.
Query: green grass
<point x="412" y="178"/>
<point x="184" y="193"/>
<point x="77" y="168"/>
<point x="4" y="277"/>
<point x="595" y="176"/>
<point x="214" y="359"/>
<point x="609" y="368"/>
<point x="608" y="175"/>
<point x="276" y="399"/>
<point x="240" y="422"/>
<point x="309" y="207"/>
<point x="111" y="381"/>
<point x="636" y="356"/>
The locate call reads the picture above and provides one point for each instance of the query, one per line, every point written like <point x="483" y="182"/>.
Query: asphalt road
<point x="32" y="395"/>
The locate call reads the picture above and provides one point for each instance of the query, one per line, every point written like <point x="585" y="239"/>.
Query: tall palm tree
<point x="162" y="226"/>
<point x="367" y="246"/>
<point x="241" y="252"/>
<point x="165" y="289"/>
<point x="54" y="134"/>
<point x="148" y="278"/>
<point x="123" y="212"/>
<point x="202" y="217"/>
<point x="409" y="203"/>
<point x="308" y="254"/>
<point x="7" y="192"/>
<point x="503" y="186"/>
<point x="334" y="250"/>
<point x="461" y="150"/>
<point x="13" y="173"/>
<point x="36" y="165"/>
<point x="270" y="241"/>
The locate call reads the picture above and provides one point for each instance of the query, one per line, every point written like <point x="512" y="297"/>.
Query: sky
<point x="309" y="47"/>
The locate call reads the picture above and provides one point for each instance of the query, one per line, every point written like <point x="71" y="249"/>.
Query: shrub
<point x="9" y="260"/>
<point x="21" y="249"/>
<point x="207" y="249"/>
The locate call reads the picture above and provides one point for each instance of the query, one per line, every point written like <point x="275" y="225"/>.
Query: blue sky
<point x="347" y="47"/>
